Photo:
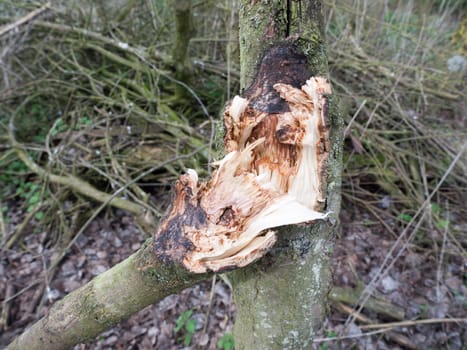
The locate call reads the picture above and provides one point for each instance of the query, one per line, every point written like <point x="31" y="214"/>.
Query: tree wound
<point x="272" y="176"/>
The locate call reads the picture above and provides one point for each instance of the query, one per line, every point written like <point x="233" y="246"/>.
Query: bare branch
<point x="23" y="20"/>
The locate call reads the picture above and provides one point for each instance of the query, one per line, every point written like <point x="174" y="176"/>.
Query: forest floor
<point x="416" y="284"/>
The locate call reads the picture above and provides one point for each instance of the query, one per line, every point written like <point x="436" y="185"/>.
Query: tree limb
<point x="81" y="186"/>
<point x="23" y="20"/>
<point x="111" y="297"/>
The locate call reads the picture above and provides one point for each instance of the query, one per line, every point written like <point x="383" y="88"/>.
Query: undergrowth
<point x="404" y="108"/>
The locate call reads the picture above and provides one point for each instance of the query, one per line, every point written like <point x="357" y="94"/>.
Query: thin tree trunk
<point x="184" y="31"/>
<point x="281" y="300"/>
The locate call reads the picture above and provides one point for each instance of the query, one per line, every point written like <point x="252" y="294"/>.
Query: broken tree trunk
<point x="282" y="168"/>
<point x="272" y="176"/>
<point x="281" y="301"/>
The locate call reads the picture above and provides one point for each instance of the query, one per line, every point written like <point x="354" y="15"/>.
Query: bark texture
<point x="111" y="297"/>
<point x="281" y="300"/>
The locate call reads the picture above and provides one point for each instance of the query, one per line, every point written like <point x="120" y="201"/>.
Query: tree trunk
<point x="281" y="300"/>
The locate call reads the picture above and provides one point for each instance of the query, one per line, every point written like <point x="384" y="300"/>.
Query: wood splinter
<point x="272" y="176"/>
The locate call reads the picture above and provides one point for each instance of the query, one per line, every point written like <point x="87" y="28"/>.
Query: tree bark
<point x="281" y="300"/>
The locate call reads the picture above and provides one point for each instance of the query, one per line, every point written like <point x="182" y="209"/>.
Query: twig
<point x="393" y="336"/>
<point x="23" y="20"/>
<point x="21" y="228"/>
<point x="347" y="129"/>
<point x="211" y="298"/>
<point x="389" y="259"/>
<point x="3" y="233"/>
<point x="10" y="289"/>
<point x="439" y="272"/>
<point x="413" y="323"/>
<point x="377" y="67"/>
<point x="353" y="336"/>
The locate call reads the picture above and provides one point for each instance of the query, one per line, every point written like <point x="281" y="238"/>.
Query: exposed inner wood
<point x="272" y="176"/>
<point x="296" y="141"/>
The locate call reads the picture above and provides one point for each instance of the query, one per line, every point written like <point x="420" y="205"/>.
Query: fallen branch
<point x="414" y="323"/>
<point x="6" y="306"/>
<point x="381" y="306"/>
<point x="81" y="186"/>
<point x="141" y="53"/>
<point x="393" y="336"/>
<point x="23" y="20"/>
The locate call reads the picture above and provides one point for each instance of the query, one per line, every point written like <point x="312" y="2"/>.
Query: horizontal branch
<point x="381" y="306"/>
<point x="108" y="299"/>
<point x="81" y="186"/>
<point x="23" y="20"/>
<point x="136" y="51"/>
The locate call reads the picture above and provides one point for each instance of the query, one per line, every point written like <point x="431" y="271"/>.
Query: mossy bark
<point x="109" y="298"/>
<point x="281" y="301"/>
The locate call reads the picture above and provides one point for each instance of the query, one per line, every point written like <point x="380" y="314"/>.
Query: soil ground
<point x="417" y="283"/>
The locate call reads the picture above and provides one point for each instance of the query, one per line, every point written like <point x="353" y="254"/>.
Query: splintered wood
<point x="272" y="176"/>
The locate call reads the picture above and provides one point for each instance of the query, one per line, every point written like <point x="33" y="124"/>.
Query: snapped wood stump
<point x="273" y="175"/>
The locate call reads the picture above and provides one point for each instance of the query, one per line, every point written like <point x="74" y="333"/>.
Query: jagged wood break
<point x="272" y="176"/>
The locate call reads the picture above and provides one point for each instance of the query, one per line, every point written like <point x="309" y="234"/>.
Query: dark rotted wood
<point x="283" y="63"/>
<point x="170" y="242"/>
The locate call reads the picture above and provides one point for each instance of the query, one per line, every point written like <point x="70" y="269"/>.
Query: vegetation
<point x="93" y="113"/>
<point x="188" y="325"/>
